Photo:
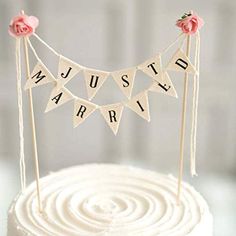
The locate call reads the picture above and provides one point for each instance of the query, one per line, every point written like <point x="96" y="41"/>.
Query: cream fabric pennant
<point x="82" y="110"/>
<point x="152" y="67"/>
<point x="67" y="69"/>
<point x="140" y="105"/>
<point x="165" y="86"/>
<point x="180" y="62"/>
<point x="112" y="114"/>
<point x="58" y="97"/>
<point x="125" y="80"/>
<point x="94" y="80"/>
<point x="39" y="76"/>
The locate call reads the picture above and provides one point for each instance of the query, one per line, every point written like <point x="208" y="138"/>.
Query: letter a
<point x="58" y="98"/>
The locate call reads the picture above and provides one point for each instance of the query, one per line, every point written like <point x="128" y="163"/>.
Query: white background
<point x="110" y="35"/>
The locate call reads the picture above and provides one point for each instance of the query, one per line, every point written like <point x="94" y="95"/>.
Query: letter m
<point x="38" y="76"/>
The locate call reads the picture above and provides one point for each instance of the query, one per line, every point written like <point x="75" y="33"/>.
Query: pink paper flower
<point x="23" y="25"/>
<point x="190" y="23"/>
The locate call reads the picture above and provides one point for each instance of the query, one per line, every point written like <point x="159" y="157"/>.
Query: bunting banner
<point x="95" y="79"/>
<point x="157" y="69"/>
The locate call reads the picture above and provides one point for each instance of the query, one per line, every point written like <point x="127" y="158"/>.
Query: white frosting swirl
<point x="109" y="200"/>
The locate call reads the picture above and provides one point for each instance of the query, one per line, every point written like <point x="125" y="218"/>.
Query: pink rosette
<point x="190" y="23"/>
<point x="23" y="25"/>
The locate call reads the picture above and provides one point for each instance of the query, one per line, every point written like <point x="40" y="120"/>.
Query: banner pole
<point x="183" y="121"/>
<point x="36" y="161"/>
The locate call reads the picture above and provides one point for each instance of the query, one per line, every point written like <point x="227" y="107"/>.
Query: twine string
<point x="20" y="114"/>
<point x="195" y="106"/>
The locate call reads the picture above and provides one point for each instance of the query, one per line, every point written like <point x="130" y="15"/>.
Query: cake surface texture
<point x="109" y="200"/>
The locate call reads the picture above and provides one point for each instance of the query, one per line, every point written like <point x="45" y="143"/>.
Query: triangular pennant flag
<point x="140" y="105"/>
<point x="94" y="80"/>
<point x="112" y="114"/>
<point x="125" y="80"/>
<point x="82" y="110"/>
<point x="180" y="62"/>
<point x="58" y="97"/>
<point x="39" y="76"/>
<point x="152" y="67"/>
<point x="67" y="69"/>
<point x="165" y="86"/>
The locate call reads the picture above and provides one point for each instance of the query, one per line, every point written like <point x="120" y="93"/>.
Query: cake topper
<point x="22" y="27"/>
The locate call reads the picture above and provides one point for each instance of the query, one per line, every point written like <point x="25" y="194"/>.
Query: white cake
<point x="109" y="200"/>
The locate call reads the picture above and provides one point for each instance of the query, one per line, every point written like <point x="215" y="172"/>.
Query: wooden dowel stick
<point x="183" y="121"/>
<point x="36" y="161"/>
